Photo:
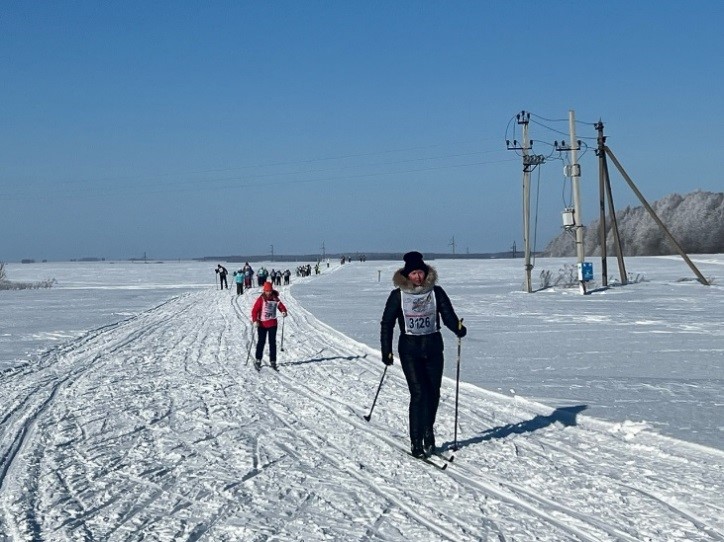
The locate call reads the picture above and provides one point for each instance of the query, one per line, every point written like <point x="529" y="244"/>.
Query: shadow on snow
<point x="565" y="416"/>
<point x="319" y="360"/>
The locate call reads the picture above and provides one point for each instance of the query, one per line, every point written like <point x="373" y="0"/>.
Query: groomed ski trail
<point x="158" y="428"/>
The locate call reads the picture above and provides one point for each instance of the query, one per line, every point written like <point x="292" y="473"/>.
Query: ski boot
<point x="429" y="441"/>
<point x="417" y="449"/>
<point x="257" y="364"/>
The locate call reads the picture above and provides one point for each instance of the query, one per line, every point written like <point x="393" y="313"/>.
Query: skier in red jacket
<point x="264" y="317"/>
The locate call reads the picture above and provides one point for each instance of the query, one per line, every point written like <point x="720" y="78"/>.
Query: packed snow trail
<point x="159" y="428"/>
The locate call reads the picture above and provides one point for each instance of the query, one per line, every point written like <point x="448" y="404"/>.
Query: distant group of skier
<point x="243" y="277"/>
<point x="416" y="306"/>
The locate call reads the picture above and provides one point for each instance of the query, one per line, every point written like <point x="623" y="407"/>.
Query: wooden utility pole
<point x="602" y="205"/>
<point x="604" y="185"/>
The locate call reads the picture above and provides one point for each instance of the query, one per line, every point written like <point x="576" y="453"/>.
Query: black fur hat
<point x="413" y="262"/>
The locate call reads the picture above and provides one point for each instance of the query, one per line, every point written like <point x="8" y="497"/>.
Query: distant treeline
<point x="695" y="220"/>
<point x="355" y="256"/>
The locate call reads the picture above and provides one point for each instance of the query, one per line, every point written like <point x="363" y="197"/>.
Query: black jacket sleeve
<point x="389" y="319"/>
<point x="445" y="308"/>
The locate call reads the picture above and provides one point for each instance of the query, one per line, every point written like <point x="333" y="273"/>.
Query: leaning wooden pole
<point x="656" y="218"/>
<point x="602" y="205"/>
<point x="614" y="227"/>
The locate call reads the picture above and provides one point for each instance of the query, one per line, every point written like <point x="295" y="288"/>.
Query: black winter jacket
<point x="415" y="344"/>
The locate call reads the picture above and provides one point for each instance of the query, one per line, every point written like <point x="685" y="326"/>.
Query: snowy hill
<point x="696" y="221"/>
<point x="157" y="428"/>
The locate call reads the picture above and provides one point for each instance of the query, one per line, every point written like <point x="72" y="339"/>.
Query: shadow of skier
<point x="566" y="416"/>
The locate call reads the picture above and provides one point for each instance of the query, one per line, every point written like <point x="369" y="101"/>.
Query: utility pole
<point x="523" y="119"/>
<point x="452" y="244"/>
<point x="272" y="252"/>
<point x="605" y="192"/>
<point x="530" y="162"/>
<point x="576" y="178"/>
<point x="514" y="250"/>
<point x="324" y="254"/>
<point x="526" y="204"/>
<point x="573" y="170"/>
<point x="601" y="140"/>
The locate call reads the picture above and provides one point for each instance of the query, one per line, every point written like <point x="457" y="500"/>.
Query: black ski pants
<point x="262" y="333"/>
<point x="422" y="361"/>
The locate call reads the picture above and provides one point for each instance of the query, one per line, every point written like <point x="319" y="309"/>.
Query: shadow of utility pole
<point x="565" y="416"/>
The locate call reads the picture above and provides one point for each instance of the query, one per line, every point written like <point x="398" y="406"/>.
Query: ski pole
<point x="282" y="345"/>
<point x="376" y="394"/>
<point x="251" y="343"/>
<point x="457" y="389"/>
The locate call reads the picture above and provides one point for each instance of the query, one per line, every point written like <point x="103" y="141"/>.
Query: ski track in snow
<point x="159" y="428"/>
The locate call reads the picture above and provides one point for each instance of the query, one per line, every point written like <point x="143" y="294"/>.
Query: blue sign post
<point x="585" y="271"/>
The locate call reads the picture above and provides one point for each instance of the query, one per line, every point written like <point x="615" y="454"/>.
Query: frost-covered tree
<point x="695" y="220"/>
<point x="5" y="284"/>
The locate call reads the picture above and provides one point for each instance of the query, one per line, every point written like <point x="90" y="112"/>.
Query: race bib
<point x="268" y="310"/>
<point x="420" y="313"/>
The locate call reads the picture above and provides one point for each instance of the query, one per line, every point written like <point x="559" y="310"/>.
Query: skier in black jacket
<point x="417" y="304"/>
<point x="222" y="272"/>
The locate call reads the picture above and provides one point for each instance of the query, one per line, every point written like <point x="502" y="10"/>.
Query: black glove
<point x="387" y="359"/>
<point x="462" y="332"/>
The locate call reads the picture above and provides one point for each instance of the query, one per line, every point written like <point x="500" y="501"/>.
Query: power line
<point x="175" y="181"/>
<point x="245" y="182"/>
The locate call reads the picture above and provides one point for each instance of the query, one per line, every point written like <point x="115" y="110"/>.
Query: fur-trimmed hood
<point x="405" y="284"/>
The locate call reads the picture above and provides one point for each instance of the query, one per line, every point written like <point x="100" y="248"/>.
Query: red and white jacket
<point x="265" y="309"/>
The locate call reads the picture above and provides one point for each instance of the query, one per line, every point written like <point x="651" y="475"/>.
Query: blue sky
<point x="185" y="129"/>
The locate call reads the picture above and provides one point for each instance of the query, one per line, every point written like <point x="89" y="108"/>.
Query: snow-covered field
<point x="651" y="352"/>
<point x="128" y="410"/>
